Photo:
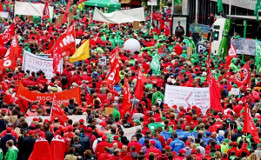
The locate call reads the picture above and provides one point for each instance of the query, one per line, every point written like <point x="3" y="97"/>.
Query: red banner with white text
<point x="62" y="97"/>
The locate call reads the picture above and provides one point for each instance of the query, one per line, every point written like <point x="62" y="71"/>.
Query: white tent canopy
<point x="121" y="16"/>
<point x="30" y="9"/>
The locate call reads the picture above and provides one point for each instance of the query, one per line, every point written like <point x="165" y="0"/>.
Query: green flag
<point x="257" y="8"/>
<point x="155" y="64"/>
<point x="258" y="56"/>
<point x="220" y="6"/>
<point x="223" y="47"/>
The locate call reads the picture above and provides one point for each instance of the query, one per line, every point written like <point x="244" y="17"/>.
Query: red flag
<point x="243" y="76"/>
<point x="58" y="112"/>
<point x="41" y="150"/>
<point x="9" y="60"/>
<point x="249" y="126"/>
<point x="67" y="10"/>
<point x="64" y="46"/>
<point x="231" y="54"/>
<point x="66" y="43"/>
<point x="114" y="77"/>
<point x="46" y="13"/>
<point x="57" y="148"/>
<point x="141" y="79"/>
<point x="9" y="32"/>
<point x="126" y="102"/>
<point x="1" y="8"/>
<point x="214" y="93"/>
<point x="14" y="47"/>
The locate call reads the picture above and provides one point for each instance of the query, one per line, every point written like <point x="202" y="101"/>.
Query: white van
<point x="217" y="29"/>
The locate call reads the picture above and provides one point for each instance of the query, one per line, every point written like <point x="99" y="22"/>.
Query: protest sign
<point x="4" y="14"/>
<point x="108" y="110"/>
<point x="102" y="61"/>
<point x="62" y="97"/>
<point x="235" y="91"/>
<point x="35" y="63"/>
<point x="187" y="97"/>
<point x="129" y="132"/>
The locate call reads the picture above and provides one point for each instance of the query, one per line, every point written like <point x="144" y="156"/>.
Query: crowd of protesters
<point x="167" y="132"/>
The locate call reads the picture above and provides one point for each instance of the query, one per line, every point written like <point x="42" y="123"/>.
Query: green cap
<point x="226" y="140"/>
<point x="137" y="121"/>
<point x="239" y="128"/>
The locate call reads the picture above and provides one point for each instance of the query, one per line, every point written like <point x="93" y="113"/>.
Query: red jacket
<point x="136" y="144"/>
<point x="154" y="150"/>
<point x="100" y="148"/>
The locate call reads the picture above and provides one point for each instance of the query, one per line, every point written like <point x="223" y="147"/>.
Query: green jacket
<point x="116" y="113"/>
<point x="11" y="154"/>
<point x="157" y="95"/>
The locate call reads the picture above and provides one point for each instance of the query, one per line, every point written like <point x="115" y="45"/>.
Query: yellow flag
<point x="82" y="53"/>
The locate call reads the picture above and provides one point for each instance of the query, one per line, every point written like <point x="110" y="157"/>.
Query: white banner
<point x="187" y="97"/>
<point x="152" y="3"/>
<point x="31" y="9"/>
<point x="4" y="14"/>
<point x="129" y="132"/>
<point x="35" y="63"/>
<point x="75" y="118"/>
<point x="121" y="16"/>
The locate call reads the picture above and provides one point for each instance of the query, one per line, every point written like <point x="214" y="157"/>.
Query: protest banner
<point x="187" y="97"/>
<point x="4" y="14"/>
<point x="235" y="91"/>
<point x="129" y="132"/>
<point x="30" y="9"/>
<point x="245" y="46"/>
<point x="35" y="63"/>
<point x="62" y="97"/>
<point x="75" y="118"/>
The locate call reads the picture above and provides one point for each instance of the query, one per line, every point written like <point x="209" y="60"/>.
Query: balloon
<point x="132" y="45"/>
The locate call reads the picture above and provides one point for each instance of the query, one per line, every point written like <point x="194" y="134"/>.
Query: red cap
<point x="70" y="128"/>
<point x="116" y="137"/>
<point x="81" y="120"/>
<point x="34" y="107"/>
<point x="89" y="129"/>
<point x="193" y="151"/>
<point x="187" y="143"/>
<point x="31" y="132"/>
<point x="36" y="119"/>
<point x="8" y="129"/>
<point x="100" y="134"/>
<point x="218" y="146"/>
<point x="104" y="137"/>
<point x="182" y="151"/>
<point x="152" y="142"/>
<point x="46" y="121"/>
<point x="41" y="134"/>
<point x="167" y="147"/>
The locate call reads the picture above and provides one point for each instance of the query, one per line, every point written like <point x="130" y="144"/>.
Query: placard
<point x="35" y="63"/>
<point x="187" y="97"/>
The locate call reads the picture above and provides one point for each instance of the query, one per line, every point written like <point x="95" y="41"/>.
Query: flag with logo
<point x="155" y="64"/>
<point x="82" y="53"/>
<point x="249" y="125"/>
<point x="57" y="148"/>
<point x="243" y="76"/>
<point x="223" y="47"/>
<point x="7" y="35"/>
<point x="67" y="10"/>
<point x="64" y="46"/>
<point x="41" y="150"/>
<point x="257" y="8"/>
<point x="258" y="57"/>
<point x="57" y="112"/>
<point x="141" y="79"/>
<point x="46" y="13"/>
<point x="126" y="102"/>
<point x="220" y="6"/>
<point x="113" y="77"/>
<point x="9" y="60"/>
<point x="231" y="54"/>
